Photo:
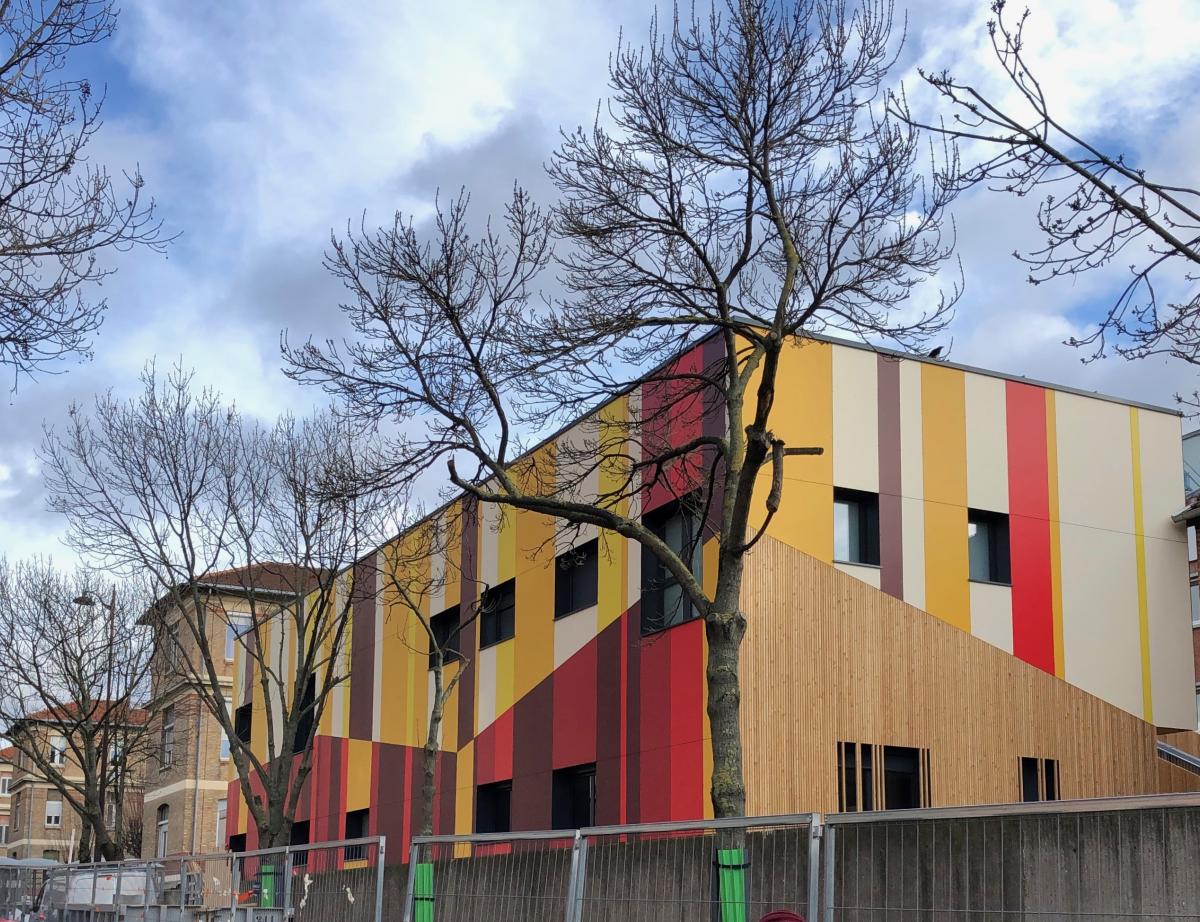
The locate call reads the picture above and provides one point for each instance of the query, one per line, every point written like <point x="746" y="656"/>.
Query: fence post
<point x="414" y="857"/>
<point x="182" y="891"/>
<point x="575" y="884"/>
<point x="830" y="861"/>
<point x="287" y="882"/>
<point x="117" y="894"/>
<point x="146" y="893"/>
<point x="816" y="829"/>
<point x="235" y="884"/>
<point x="92" y="907"/>
<point x="380" y="865"/>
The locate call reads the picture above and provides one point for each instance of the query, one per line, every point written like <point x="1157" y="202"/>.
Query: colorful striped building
<point x="976" y="593"/>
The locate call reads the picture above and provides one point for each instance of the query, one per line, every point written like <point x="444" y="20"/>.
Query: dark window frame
<point x="867" y="767"/>
<point x="305" y="724"/>
<point x="357" y="825"/>
<point x="1039" y="779"/>
<point x="865" y="507"/>
<point x="577" y="578"/>
<point x="498" y="614"/>
<point x="999" y="546"/>
<point x="445" y="627"/>
<point x="657" y="580"/>
<point x="493" y="802"/>
<point x="573" y="801"/>
<point x="243" y="723"/>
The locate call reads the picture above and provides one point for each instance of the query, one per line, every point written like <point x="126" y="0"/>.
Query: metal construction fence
<point x="1109" y="859"/>
<point x="328" y="882"/>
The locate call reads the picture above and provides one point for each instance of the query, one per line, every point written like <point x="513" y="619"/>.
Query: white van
<point x="78" y="894"/>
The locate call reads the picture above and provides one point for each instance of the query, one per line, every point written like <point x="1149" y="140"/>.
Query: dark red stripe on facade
<point x="362" y="650"/>
<point x="633" y="729"/>
<point x="608" y="723"/>
<point x="654" y="721"/>
<point x="392" y="789"/>
<point x="686" y="710"/>
<point x="891" y="505"/>
<point x="532" y="755"/>
<point x="1029" y="525"/>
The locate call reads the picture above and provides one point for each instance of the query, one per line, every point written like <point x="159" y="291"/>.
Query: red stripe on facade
<point x="1029" y="525"/>
<point x="575" y="702"/>
<point x="686" y="710"/>
<point x="672" y="413"/>
<point x="654" y="718"/>
<point x="633" y="722"/>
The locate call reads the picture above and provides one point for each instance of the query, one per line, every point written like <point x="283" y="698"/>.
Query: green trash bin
<point x="266" y="880"/>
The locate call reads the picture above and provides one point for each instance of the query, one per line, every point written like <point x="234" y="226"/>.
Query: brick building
<point x="42" y="823"/>
<point x="189" y="771"/>
<point x="7" y="756"/>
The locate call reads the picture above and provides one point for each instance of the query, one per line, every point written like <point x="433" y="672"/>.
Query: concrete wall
<point x="1124" y="865"/>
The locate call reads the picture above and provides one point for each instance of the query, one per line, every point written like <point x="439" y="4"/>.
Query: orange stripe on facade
<point x="944" y="433"/>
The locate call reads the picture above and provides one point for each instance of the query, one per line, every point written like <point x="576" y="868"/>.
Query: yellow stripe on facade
<point x="1055" y="535"/>
<point x="944" y="435"/>
<point x="612" y="576"/>
<point x="1139" y="536"/>
<point x="803" y="416"/>
<point x="358" y="774"/>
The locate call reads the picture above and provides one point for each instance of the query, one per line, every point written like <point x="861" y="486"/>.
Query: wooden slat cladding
<point x="828" y="658"/>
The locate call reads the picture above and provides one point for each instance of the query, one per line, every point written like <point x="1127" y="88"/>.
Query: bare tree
<point x="409" y="580"/>
<point x="746" y="196"/>
<point x="1096" y="206"/>
<point x="243" y="530"/>
<point x="75" y="676"/>
<point x="59" y="215"/>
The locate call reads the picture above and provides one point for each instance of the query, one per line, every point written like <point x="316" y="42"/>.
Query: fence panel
<point x="1108" y="861"/>
<point x="330" y="882"/>
<point x="518" y="877"/>
<point x="685" y="871"/>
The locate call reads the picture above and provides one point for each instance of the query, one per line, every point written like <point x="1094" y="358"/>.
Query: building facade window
<point x="574" y="797"/>
<point x="300" y="836"/>
<point x="1039" y="779"/>
<point x="166" y="745"/>
<point x="493" y="807"/>
<point x="575" y="578"/>
<point x="172" y="645"/>
<point x="855" y="527"/>
<point x="664" y="602"/>
<point x="161" y="828"/>
<point x="222" y="815"/>
<point x="873" y="777"/>
<point x="243" y="723"/>
<point x="235" y="627"/>
<point x="53" y="814"/>
<point x="5" y="785"/>
<point x="358" y="825"/>
<point x="987" y="547"/>
<point x="304" y="721"/>
<point x="444" y="626"/>
<point x="224" y="753"/>
<point x="498" y="618"/>
<point x="58" y="750"/>
<point x="110" y="813"/>
<point x="3" y="833"/>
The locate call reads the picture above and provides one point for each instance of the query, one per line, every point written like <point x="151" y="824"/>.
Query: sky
<point x="260" y="128"/>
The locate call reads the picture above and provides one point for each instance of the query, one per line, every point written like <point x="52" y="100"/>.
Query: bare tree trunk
<point x="429" y="757"/>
